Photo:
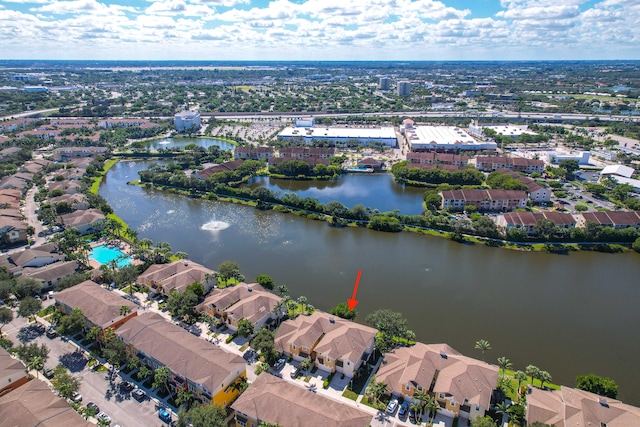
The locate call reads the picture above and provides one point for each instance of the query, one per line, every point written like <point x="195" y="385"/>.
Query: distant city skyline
<point x="320" y="29"/>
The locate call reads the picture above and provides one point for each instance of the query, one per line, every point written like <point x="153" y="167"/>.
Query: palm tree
<point x="422" y="397"/>
<point x="520" y="376"/>
<point x="161" y="378"/>
<point x="302" y="300"/>
<point x="94" y="333"/>
<point x="431" y="405"/>
<point x="533" y="371"/>
<point x="545" y="377"/>
<point x="417" y="408"/>
<point x="482" y="345"/>
<point x="305" y="365"/>
<point x="502" y="408"/>
<point x="35" y="364"/>
<point x="240" y="384"/>
<point x="376" y="389"/>
<point x="504" y="363"/>
<point x="143" y="373"/>
<point x="277" y="310"/>
<point x="283" y="290"/>
<point x="124" y="310"/>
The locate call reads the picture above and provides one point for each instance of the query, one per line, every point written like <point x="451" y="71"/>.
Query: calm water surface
<point x="182" y="142"/>
<point x="569" y="315"/>
<point x="375" y="191"/>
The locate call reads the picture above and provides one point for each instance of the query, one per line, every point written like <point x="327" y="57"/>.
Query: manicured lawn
<point x="350" y="395"/>
<point x="514" y="385"/>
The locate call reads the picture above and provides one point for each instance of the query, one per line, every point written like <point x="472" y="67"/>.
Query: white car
<point x="103" y="416"/>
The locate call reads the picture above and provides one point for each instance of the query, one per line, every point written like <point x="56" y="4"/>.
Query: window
<point x="293" y="346"/>
<point x="419" y="388"/>
<point x="407" y="387"/>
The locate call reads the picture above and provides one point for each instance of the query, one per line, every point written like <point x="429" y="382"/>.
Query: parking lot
<point x="95" y="387"/>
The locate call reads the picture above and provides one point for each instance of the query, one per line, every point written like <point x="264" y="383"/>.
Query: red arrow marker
<point x="352" y="301"/>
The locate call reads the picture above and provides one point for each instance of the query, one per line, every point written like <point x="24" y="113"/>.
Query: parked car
<point x="404" y="409"/>
<point x="164" y="415"/>
<point x="280" y="363"/>
<point x="39" y="326"/>
<point x="103" y="416"/>
<point x="48" y="372"/>
<point x="126" y="385"/>
<point x="51" y="333"/>
<point x="77" y="397"/>
<point x="392" y="406"/>
<point x="139" y="394"/>
<point x="94" y="406"/>
<point x="295" y="371"/>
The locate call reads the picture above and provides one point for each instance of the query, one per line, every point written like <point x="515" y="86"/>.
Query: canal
<point x="568" y="314"/>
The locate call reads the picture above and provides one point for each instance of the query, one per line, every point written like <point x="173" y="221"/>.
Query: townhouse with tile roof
<point x="206" y="370"/>
<point x="243" y="301"/>
<point x="462" y="385"/>
<point x="333" y="344"/>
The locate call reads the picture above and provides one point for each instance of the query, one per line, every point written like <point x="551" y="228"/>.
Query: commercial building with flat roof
<point x="444" y="138"/>
<point x="187" y="120"/>
<point x="340" y="136"/>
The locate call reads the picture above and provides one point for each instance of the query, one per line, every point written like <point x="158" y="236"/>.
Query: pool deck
<point x="117" y="244"/>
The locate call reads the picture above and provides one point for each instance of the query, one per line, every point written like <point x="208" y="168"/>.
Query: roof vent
<point x="443" y="354"/>
<point x="249" y="288"/>
<point x="332" y="319"/>
<point x="186" y="262"/>
<point x="603" y="402"/>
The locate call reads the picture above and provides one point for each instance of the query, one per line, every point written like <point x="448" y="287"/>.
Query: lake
<point x="168" y="143"/>
<point x="375" y="191"/>
<point x="567" y="314"/>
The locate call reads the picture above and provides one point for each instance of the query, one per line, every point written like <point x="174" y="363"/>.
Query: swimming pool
<point x="103" y="254"/>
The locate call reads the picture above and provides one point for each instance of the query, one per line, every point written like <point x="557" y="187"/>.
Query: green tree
<point x="432" y="201"/>
<point x="417" y="408"/>
<point x="517" y="414"/>
<point x="504" y="363"/>
<point x="202" y="416"/>
<point x="390" y="324"/>
<point x="29" y="306"/>
<point x="94" y="333"/>
<point x="636" y="245"/>
<point x="342" y="310"/>
<point x="485" y="421"/>
<point x="265" y="281"/>
<point x="431" y="406"/>
<point x="545" y="377"/>
<point x="182" y="304"/>
<point x="245" y="328"/>
<point x="482" y="345"/>
<point x="143" y="372"/>
<point x="305" y="365"/>
<point x="27" y="352"/>
<point x="520" y="377"/>
<point x="197" y="288"/>
<point x="65" y="384"/>
<point x="283" y="290"/>
<point x="184" y="396"/>
<point x="35" y="364"/>
<point x="89" y="412"/>
<point x="161" y="378"/>
<point x="570" y="166"/>
<point x="26" y="287"/>
<point x="228" y="270"/>
<point x="602" y="386"/>
<point x="6" y="316"/>
<point x="533" y="371"/>
<point x="124" y="310"/>
<point x="376" y="389"/>
<point x="72" y="323"/>
<point x="115" y="351"/>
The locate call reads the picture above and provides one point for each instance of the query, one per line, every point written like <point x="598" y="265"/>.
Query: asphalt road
<point x="110" y="397"/>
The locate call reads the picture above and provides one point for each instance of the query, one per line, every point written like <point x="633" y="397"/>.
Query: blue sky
<point x="320" y="29"/>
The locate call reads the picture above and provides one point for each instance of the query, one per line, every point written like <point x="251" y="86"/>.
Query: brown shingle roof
<point x="33" y="404"/>
<point x="176" y="275"/>
<point x="242" y="303"/>
<point x="184" y="354"/>
<point x="99" y="306"/>
<point x="276" y="401"/>
<point x="9" y="366"/>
